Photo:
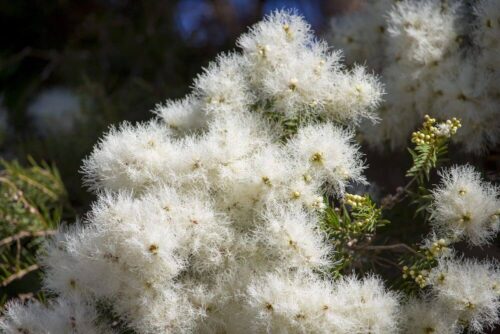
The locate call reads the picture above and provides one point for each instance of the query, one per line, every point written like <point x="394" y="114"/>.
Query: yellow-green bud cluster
<point x="420" y="137"/>
<point x="454" y="125"/>
<point x="436" y="249"/>
<point x="361" y="223"/>
<point x="419" y="276"/>
<point x="354" y="200"/>
<point x="431" y="131"/>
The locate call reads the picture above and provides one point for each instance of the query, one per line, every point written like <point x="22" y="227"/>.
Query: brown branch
<point x="24" y="200"/>
<point x="401" y="193"/>
<point x="391" y="247"/>
<point x="20" y="274"/>
<point x="38" y="186"/>
<point x="379" y="259"/>
<point x="18" y="253"/>
<point x="25" y="234"/>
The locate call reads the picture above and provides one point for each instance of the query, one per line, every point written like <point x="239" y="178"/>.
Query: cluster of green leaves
<point x="32" y="200"/>
<point x="431" y="147"/>
<point x="350" y="228"/>
<point x="288" y="126"/>
<point x="415" y="268"/>
<point x="430" y="151"/>
<point x="427" y="156"/>
<point x="353" y="225"/>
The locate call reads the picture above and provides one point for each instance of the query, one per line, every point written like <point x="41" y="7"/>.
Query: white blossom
<point x="214" y="207"/>
<point x="469" y="288"/>
<point x="131" y="157"/>
<point x="183" y="116"/>
<point x="328" y="152"/>
<point x="288" y="304"/>
<point x="367" y="305"/>
<point x="464" y="206"/>
<point x="294" y="73"/>
<point x="61" y="316"/>
<point x="422" y="316"/>
<point x="434" y="57"/>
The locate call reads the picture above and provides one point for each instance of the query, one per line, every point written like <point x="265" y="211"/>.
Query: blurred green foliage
<point x="32" y="202"/>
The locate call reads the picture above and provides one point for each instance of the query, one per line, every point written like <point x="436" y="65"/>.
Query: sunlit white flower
<point x="464" y="206"/>
<point x="469" y="288"/>
<point x="294" y="74"/>
<point x="61" y="316"/>
<point x="207" y="217"/>
<point x="421" y="316"/>
<point x="280" y="303"/>
<point x="367" y="305"/>
<point x="182" y="116"/>
<point x="293" y="236"/>
<point x="329" y="153"/>
<point x="131" y="157"/>
<point x="223" y="86"/>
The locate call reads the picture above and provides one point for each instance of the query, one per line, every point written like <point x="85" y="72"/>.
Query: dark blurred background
<point x="69" y="69"/>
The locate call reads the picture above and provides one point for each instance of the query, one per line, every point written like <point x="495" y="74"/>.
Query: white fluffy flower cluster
<point x="282" y="69"/>
<point x="60" y="316"/>
<point x="465" y="207"/>
<point x="436" y="57"/>
<point x="463" y="293"/>
<point x="206" y="221"/>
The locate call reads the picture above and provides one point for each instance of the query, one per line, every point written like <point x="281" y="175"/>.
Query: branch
<point x="20" y="274"/>
<point x="25" y="234"/>
<point x="392" y="247"/>
<point x="401" y="193"/>
<point x="24" y="200"/>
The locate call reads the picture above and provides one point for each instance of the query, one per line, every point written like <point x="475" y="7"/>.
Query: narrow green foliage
<point x="288" y="126"/>
<point x="32" y="200"/>
<point x="421" y="199"/>
<point x="431" y="146"/>
<point x="415" y="272"/>
<point x="418" y="265"/>
<point x="425" y="158"/>
<point x="349" y="228"/>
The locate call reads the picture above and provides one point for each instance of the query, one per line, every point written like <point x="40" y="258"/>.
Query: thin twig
<point x="24" y="200"/>
<point x="25" y="234"/>
<point x="392" y="247"/>
<point x="392" y="263"/>
<point x="18" y="254"/>
<point x="400" y="195"/>
<point x="20" y="274"/>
